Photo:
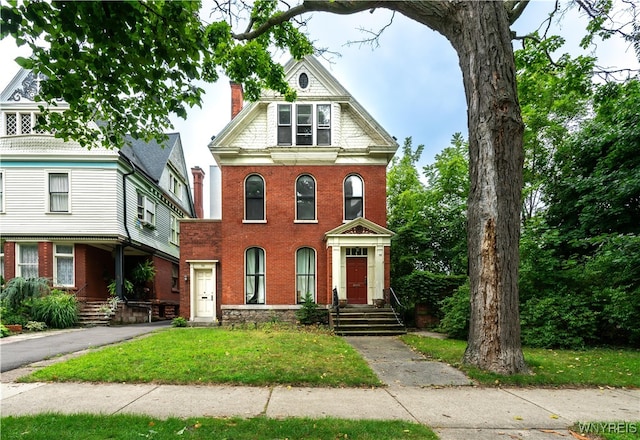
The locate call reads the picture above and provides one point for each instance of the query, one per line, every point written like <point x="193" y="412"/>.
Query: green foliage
<point x="421" y="287"/>
<point x="128" y="288"/>
<point x="456" y="310"/>
<point x="4" y="331"/>
<point x="595" y="188"/>
<point x="95" y="51"/>
<point x="310" y="313"/>
<point x="429" y="220"/>
<point x="36" y="326"/>
<point x="58" y="309"/>
<point x="143" y="273"/>
<point x="179" y="321"/>
<point x="553" y="94"/>
<point x="19" y="291"/>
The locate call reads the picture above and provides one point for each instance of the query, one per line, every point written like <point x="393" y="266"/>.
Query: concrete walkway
<point x="455" y="412"/>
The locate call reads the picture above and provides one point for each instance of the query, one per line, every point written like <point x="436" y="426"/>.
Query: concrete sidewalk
<point x="417" y="390"/>
<point x="454" y="412"/>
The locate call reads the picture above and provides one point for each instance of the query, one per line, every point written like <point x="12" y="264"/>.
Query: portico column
<point x="379" y="272"/>
<point x="336" y="271"/>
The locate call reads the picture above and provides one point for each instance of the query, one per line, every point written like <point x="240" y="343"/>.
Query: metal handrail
<point x="393" y="298"/>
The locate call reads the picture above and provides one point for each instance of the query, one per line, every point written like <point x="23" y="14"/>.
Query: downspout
<point x="120" y="258"/>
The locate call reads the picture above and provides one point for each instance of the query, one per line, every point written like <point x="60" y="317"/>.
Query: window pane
<point x="284" y="114"/>
<point x="12" y="123"/>
<point x="28" y="261"/>
<point x="284" y="135"/>
<point x="304" y="114"/>
<point x="254" y="198"/>
<point x="324" y="116"/>
<point x="305" y="273"/>
<point x="59" y="192"/>
<point x="304" y="136"/>
<point x="25" y="123"/>
<point x="324" y="137"/>
<point x="305" y="198"/>
<point x="254" y="280"/>
<point x="64" y="271"/>
<point x="353" y="198"/>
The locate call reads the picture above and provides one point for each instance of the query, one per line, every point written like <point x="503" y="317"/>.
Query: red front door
<point x="357" y="280"/>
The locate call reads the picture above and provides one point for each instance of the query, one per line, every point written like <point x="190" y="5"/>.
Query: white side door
<point x="204" y="293"/>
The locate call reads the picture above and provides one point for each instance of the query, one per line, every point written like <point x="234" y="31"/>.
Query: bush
<point x="179" y="322"/>
<point x="4" y="331"/>
<point x="35" y="326"/>
<point x="309" y="313"/>
<point x="19" y="292"/>
<point x="422" y="287"/>
<point x="456" y="310"/>
<point x="58" y="309"/>
<point x="558" y="321"/>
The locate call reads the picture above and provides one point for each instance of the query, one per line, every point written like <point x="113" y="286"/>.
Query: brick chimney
<point x="198" y="177"/>
<point x="237" y="98"/>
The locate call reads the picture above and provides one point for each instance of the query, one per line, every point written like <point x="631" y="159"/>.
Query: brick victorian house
<point x="303" y="206"/>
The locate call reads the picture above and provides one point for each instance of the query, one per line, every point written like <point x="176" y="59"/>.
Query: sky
<point x="410" y="83"/>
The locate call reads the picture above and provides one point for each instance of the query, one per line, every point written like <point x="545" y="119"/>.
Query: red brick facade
<point x="226" y="241"/>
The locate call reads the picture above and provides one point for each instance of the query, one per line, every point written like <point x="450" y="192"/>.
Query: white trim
<point x="264" y="199"/>
<point x="344" y="197"/>
<point x="315" y="199"/>
<point x="202" y="265"/>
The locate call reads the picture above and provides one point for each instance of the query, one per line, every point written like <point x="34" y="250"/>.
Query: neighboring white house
<point x="85" y="217"/>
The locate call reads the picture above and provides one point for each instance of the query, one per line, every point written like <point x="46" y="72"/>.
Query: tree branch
<point x="515" y="8"/>
<point x="334" y="7"/>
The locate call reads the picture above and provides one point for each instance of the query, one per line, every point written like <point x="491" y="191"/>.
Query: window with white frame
<point x="16" y="123"/>
<point x="174" y="277"/>
<point x="175" y="186"/>
<point x="58" y="192"/>
<point x="146" y="209"/>
<point x="254" y="276"/>
<point x="305" y="198"/>
<point x="27" y="261"/>
<point x="305" y="274"/>
<point x="63" y="264"/>
<point x="2" y="260"/>
<point x="353" y="197"/>
<point x="312" y="124"/>
<point x="175" y="229"/>
<point x="254" y="198"/>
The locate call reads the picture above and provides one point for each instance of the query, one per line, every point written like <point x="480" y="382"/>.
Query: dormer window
<point x="312" y="124"/>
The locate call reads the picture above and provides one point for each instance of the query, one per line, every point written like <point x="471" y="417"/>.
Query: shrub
<point x="310" y="313"/>
<point x="4" y="331"/>
<point x="422" y="287"/>
<point x="58" y="309"/>
<point x="20" y="290"/>
<point x="456" y="311"/>
<point x="179" y="322"/>
<point x="35" y="326"/>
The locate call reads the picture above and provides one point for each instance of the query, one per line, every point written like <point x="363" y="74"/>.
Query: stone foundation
<point x="257" y="316"/>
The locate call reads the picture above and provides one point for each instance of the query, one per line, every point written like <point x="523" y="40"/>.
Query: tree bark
<point x="482" y="40"/>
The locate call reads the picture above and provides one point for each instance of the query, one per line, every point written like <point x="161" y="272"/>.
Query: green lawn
<point x="220" y="356"/>
<point x="608" y="430"/>
<point x="127" y="427"/>
<point x="590" y="367"/>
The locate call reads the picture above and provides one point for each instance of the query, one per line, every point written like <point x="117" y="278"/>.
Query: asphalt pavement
<point x="416" y="390"/>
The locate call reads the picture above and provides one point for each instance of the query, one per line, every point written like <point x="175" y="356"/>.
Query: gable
<point x="359" y="226"/>
<point x="349" y="135"/>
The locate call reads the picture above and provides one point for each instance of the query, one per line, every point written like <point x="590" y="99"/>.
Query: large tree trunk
<point x="483" y="42"/>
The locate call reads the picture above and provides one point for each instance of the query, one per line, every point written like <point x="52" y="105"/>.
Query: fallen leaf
<point x="578" y="436"/>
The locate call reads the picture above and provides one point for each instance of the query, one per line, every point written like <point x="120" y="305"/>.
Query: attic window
<point x="303" y="80"/>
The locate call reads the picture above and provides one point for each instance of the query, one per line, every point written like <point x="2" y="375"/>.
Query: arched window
<point x="305" y="198"/>
<point x="254" y="198"/>
<point x="305" y="273"/>
<point x="353" y="197"/>
<point x="254" y="276"/>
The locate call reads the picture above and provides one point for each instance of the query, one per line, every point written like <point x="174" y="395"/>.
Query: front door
<point x="357" y="280"/>
<point x="204" y="293"/>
